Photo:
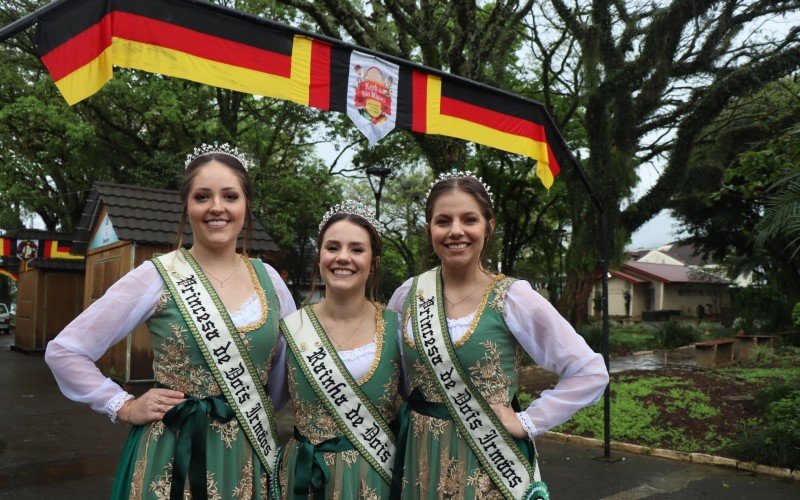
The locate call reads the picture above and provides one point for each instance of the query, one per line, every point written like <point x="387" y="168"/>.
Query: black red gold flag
<point x="80" y="42"/>
<point x="8" y="247"/>
<point x="59" y="249"/>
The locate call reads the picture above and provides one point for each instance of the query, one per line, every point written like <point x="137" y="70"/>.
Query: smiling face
<point x="216" y="205"/>
<point x="458" y="229"/>
<point x="345" y="257"/>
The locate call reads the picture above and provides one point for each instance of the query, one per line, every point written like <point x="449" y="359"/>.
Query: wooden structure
<point x="747" y="344"/>
<point x="713" y="353"/>
<point x="49" y="290"/>
<point x="121" y="227"/>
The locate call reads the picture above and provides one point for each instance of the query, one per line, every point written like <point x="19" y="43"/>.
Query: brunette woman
<point x="343" y="370"/>
<point x="207" y="427"/>
<point x="463" y="333"/>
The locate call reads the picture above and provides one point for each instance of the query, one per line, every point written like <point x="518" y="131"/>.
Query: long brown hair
<point x="472" y="187"/>
<point x="186" y="186"/>
<point x="375" y="243"/>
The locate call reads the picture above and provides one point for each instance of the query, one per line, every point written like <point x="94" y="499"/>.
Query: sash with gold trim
<point x="494" y="447"/>
<point x="223" y="350"/>
<point x="355" y="415"/>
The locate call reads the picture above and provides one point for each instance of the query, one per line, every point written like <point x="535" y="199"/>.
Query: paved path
<point x="52" y="447"/>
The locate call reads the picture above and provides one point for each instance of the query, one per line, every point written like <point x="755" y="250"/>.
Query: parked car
<point x="5" y="320"/>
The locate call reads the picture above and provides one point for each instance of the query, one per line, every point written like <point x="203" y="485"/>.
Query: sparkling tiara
<point x="459" y="174"/>
<point x="224" y="148"/>
<point x="351" y="207"/>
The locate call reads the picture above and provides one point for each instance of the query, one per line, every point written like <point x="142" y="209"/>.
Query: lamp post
<point x="381" y="173"/>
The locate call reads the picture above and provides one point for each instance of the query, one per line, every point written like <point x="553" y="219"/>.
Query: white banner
<point x="372" y="95"/>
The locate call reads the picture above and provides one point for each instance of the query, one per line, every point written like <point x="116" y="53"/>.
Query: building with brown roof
<point x="660" y="281"/>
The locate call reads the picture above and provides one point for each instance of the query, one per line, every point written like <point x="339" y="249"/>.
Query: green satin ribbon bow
<point x="310" y="470"/>
<point x="191" y="419"/>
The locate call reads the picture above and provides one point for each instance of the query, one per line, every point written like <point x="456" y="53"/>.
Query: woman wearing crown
<point x="463" y="332"/>
<point x="343" y="365"/>
<point x="207" y="428"/>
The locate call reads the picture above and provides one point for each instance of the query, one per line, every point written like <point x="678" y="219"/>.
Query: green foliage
<point x="775" y="441"/>
<point x="635" y="416"/>
<point x="592" y="333"/>
<point x="761" y="308"/>
<point x="796" y="314"/>
<point x="672" y="334"/>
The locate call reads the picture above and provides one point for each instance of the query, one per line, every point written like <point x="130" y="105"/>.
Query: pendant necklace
<point x="222" y="282"/>
<point x="352" y="334"/>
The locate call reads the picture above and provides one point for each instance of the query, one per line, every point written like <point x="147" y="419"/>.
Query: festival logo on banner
<point x="27" y="249"/>
<point x="372" y="95"/>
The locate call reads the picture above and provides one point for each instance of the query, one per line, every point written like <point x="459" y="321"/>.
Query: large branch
<point x="740" y="82"/>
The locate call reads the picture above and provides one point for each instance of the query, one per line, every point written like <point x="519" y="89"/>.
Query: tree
<point x="743" y="168"/>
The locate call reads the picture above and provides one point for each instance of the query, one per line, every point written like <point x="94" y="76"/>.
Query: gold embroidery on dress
<point x="211" y="487"/>
<point x="418" y="377"/>
<point x="483" y="486"/>
<point x="175" y="370"/>
<point x="137" y="481"/>
<point x="262" y="298"/>
<point x="387" y="404"/>
<point x="313" y="421"/>
<point x="162" y="302"/>
<point x="349" y="457"/>
<point x="264" y="489"/>
<point x="283" y="473"/>
<point x="244" y="488"/>
<point x="161" y="485"/>
<point x="451" y="478"/>
<point x="156" y="430"/>
<point x="380" y="326"/>
<point x="330" y="458"/>
<point x="500" y="292"/>
<point x="368" y="493"/>
<point x="488" y="376"/>
<point x="228" y="431"/>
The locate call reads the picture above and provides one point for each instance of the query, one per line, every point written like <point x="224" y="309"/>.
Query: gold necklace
<point x="454" y="304"/>
<point x="355" y="330"/>
<point x="222" y="282"/>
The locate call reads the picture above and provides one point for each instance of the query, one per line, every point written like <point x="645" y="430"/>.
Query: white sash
<point x="510" y="471"/>
<point x="227" y="358"/>
<point x="355" y="415"/>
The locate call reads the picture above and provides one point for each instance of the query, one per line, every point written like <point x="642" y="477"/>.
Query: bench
<point x="748" y="344"/>
<point x="713" y="353"/>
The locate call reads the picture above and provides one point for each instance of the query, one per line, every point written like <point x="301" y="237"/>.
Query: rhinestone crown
<point x="224" y="148"/>
<point x="351" y="207"/>
<point x="459" y="174"/>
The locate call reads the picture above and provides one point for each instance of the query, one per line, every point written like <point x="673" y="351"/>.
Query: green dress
<point x="233" y="469"/>
<point x="351" y="476"/>
<point x="438" y="461"/>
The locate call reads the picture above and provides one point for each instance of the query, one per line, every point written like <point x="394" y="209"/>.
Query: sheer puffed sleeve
<point x="396" y="304"/>
<point x="278" y="389"/>
<point x="73" y="353"/>
<point x="555" y="346"/>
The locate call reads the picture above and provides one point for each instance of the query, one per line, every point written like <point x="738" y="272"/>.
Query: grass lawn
<point x="689" y="410"/>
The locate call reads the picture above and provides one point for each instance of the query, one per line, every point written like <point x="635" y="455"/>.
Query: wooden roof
<point x="147" y="216"/>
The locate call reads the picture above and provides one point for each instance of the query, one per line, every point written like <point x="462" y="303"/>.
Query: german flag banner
<point x="9" y="274"/>
<point x="59" y="249"/>
<point x="8" y="247"/>
<point x="80" y="42"/>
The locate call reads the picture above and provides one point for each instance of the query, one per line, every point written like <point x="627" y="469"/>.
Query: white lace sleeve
<point x="555" y="346"/>
<point x="396" y="304"/>
<point x="72" y="354"/>
<point x="278" y="388"/>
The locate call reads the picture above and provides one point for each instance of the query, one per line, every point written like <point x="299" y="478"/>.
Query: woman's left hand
<point x="508" y="417"/>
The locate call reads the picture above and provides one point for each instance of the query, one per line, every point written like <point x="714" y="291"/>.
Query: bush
<point x="673" y="334"/>
<point x="776" y="441"/>
<point x="592" y="333"/>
